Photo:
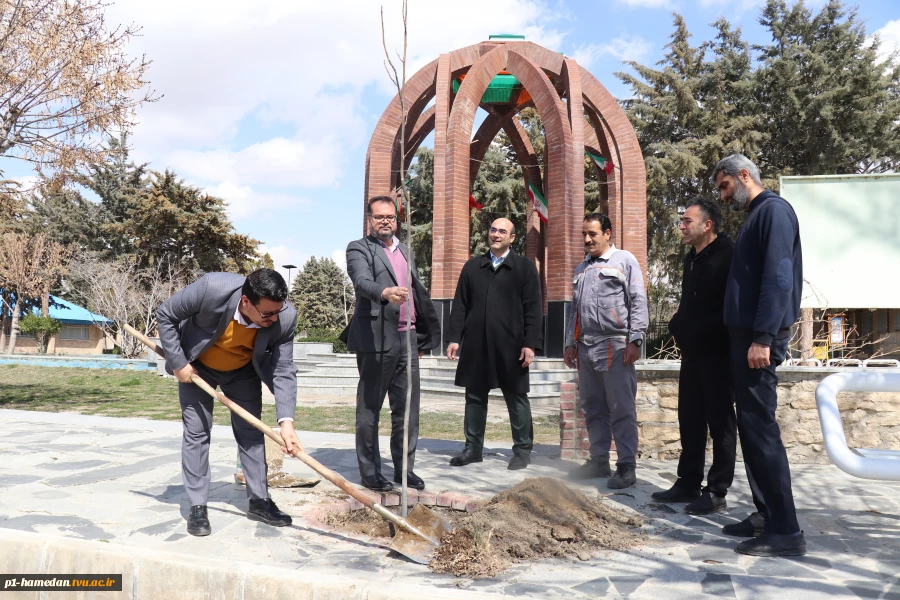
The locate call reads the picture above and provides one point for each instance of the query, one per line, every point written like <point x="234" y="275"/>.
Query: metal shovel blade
<point x="415" y="547"/>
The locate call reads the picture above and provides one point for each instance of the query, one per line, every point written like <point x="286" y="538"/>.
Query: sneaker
<point x="676" y="494"/>
<point x="706" y="504"/>
<point x="591" y="470"/>
<point x="623" y="478"/>
<point x="198" y="521"/>
<point x="265" y="510"/>
<point x="774" y="544"/>
<point x="752" y="526"/>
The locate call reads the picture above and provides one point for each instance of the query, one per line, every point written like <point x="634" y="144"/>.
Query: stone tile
<point x="596" y="588"/>
<point x="626" y="585"/>
<point x="718" y="584"/>
<point x="866" y="589"/>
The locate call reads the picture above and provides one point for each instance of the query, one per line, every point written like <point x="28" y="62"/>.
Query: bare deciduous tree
<point x="64" y="78"/>
<point x="126" y="295"/>
<point x="29" y="266"/>
<point x="399" y="81"/>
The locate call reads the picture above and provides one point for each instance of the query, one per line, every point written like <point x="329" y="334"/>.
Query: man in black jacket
<point x="705" y="397"/>
<point x="496" y="319"/>
<point x="762" y="301"/>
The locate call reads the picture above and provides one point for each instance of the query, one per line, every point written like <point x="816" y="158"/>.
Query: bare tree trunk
<point x="806" y="334"/>
<point x="14" y="327"/>
<point x="45" y="301"/>
<point x="400" y="83"/>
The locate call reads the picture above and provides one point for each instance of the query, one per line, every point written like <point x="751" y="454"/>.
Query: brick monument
<point x="579" y="115"/>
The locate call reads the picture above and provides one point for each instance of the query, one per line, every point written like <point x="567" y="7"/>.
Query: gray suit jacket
<point x="195" y="317"/>
<point x="371" y="272"/>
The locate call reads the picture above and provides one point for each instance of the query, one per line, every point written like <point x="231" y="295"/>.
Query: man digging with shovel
<point x="233" y="332"/>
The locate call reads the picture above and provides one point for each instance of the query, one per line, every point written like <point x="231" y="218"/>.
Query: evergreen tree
<point x="323" y="295"/>
<point x="171" y="220"/>
<point x="64" y="215"/>
<point x="830" y="106"/>
<point x="421" y="199"/>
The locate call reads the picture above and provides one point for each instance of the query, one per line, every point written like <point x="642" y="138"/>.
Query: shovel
<point x="418" y="535"/>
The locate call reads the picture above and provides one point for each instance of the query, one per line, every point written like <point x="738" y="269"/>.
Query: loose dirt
<point x="539" y="518"/>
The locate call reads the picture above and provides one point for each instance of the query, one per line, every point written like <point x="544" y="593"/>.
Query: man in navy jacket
<point x="762" y="301"/>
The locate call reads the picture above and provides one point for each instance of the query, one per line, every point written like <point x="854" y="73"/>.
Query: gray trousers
<point x="245" y="388"/>
<point x="383" y="373"/>
<point x="608" y="388"/>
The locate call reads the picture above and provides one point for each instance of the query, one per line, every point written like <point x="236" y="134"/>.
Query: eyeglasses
<point x="271" y="314"/>
<point x="500" y="231"/>
<point x="388" y="218"/>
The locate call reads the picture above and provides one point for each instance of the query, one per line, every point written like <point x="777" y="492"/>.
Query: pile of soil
<point x="363" y="522"/>
<point x="539" y="518"/>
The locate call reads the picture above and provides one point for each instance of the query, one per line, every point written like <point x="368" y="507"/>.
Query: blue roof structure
<point x="72" y="314"/>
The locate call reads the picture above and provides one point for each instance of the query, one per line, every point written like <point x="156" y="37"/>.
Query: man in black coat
<point x="495" y="327"/>
<point x="705" y="397"/>
<point x="377" y="266"/>
<point x="762" y="301"/>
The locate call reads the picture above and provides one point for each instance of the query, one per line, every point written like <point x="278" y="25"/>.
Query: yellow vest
<point x="231" y="351"/>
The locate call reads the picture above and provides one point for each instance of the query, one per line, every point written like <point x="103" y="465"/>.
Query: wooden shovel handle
<point x="367" y="499"/>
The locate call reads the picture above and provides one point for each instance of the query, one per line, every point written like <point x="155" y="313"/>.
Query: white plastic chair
<point x="867" y="463"/>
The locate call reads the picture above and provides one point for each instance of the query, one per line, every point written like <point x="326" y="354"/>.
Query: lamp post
<point x="289" y="267"/>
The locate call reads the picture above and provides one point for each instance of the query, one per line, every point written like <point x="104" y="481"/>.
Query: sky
<point x="270" y="104"/>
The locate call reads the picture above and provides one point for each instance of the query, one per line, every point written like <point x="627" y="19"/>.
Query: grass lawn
<point x="121" y="393"/>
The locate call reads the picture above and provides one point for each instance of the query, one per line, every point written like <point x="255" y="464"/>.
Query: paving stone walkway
<point x="119" y="480"/>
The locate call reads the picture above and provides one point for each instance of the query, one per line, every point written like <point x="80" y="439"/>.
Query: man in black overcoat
<point x="495" y="327"/>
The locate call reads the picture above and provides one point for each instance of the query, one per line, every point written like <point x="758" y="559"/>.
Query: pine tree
<point x="831" y="107"/>
<point x="323" y="295"/>
<point x="171" y="220"/>
<point x="421" y="198"/>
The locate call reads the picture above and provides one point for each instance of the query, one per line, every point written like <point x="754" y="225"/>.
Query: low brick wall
<point x="871" y="420"/>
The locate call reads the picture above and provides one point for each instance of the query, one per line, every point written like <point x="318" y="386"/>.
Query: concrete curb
<point x="153" y="574"/>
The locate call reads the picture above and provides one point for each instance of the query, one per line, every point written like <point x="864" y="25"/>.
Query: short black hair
<point x="602" y="218"/>
<point x="710" y="210"/>
<point x="377" y="199"/>
<point x="265" y="283"/>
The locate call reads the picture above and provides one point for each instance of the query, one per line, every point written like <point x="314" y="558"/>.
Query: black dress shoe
<point x="265" y="510"/>
<point x="198" y="521"/>
<point x="676" y="494"/>
<point x="519" y="461"/>
<point x="774" y="544"/>
<point x="706" y="504"/>
<point x="752" y="526"/>
<point x="377" y="483"/>
<point x="412" y="480"/>
<point x="465" y="457"/>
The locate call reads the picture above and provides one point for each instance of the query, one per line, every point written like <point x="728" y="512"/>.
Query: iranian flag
<point x="539" y="202"/>
<point x="603" y="163"/>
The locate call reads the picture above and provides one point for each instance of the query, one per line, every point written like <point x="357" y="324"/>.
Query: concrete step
<point x="341" y="359"/>
<point x="335" y="369"/>
<point x="536" y="375"/>
<point x="537" y="387"/>
<point x="326" y="390"/>
<point x="308" y="380"/>
<point x="495" y="396"/>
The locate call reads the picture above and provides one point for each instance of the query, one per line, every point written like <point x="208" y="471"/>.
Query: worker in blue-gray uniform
<point x="608" y="320"/>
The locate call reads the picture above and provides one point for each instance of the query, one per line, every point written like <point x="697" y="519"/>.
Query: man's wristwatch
<point x="638" y="342"/>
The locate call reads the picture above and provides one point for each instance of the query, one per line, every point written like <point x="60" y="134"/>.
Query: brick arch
<point x="631" y="174"/>
<point x="449" y="235"/>
<point x="379" y="155"/>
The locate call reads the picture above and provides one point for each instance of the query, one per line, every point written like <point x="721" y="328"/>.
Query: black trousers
<point x="706" y="403"/>
<point x="765" y="458"/>
<point x="520" y="422"/>
<point x="383" y="373"/>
